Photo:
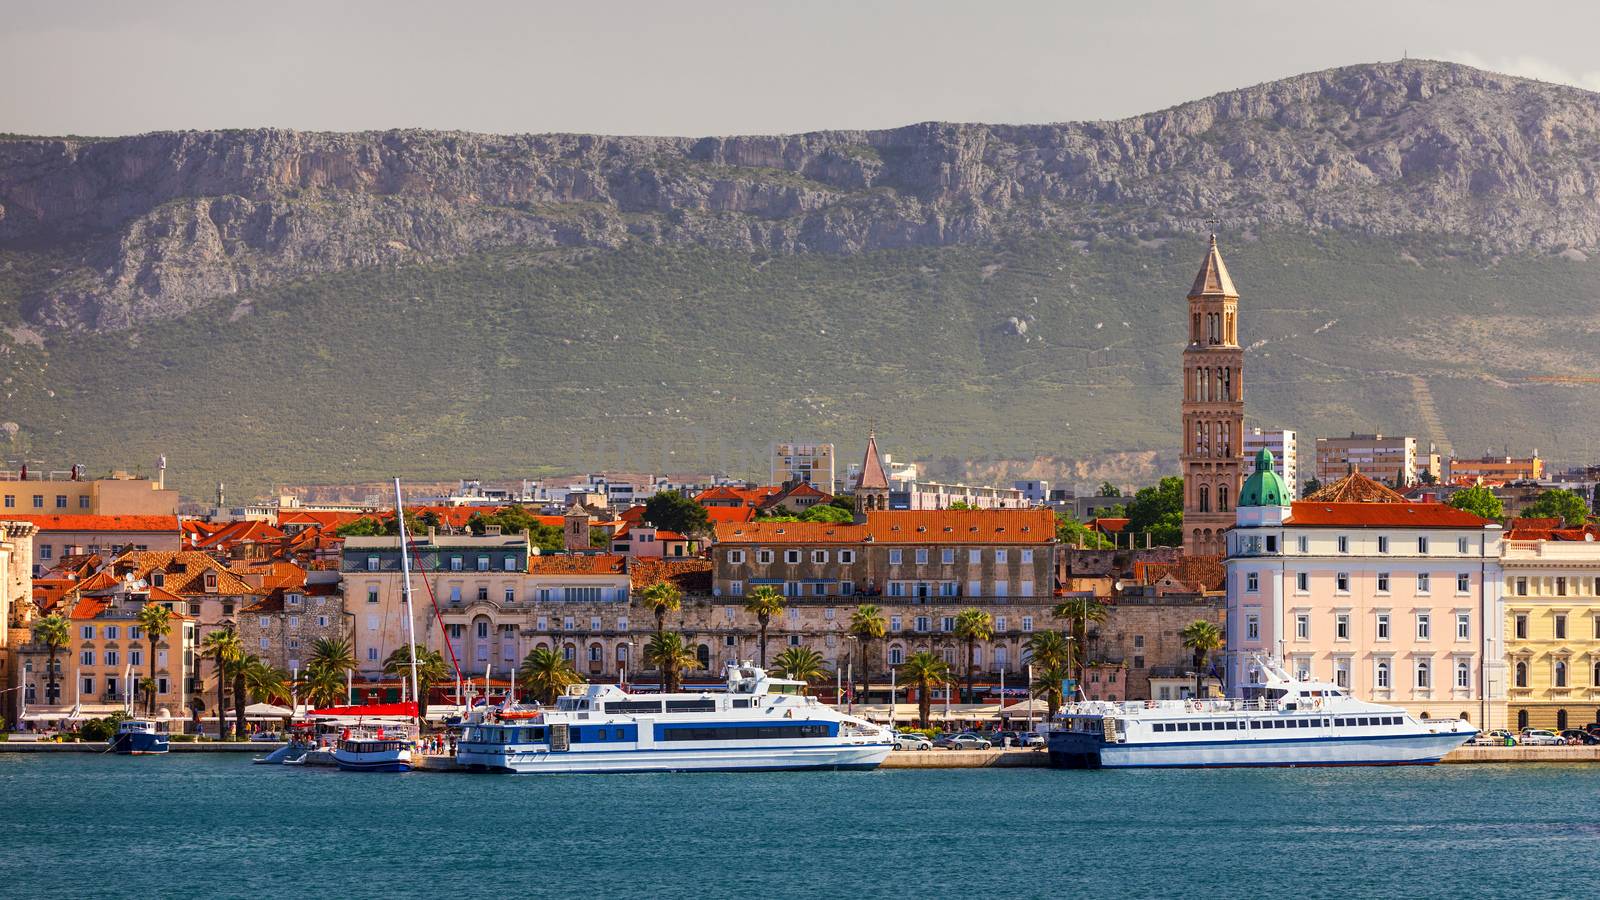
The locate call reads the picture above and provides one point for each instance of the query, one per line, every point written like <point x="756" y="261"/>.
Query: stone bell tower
<point x="1213" y="409"/>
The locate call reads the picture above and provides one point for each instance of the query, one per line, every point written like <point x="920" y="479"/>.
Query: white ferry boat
<point x="1279" y="722"/>
<point x="375" y="749"/>
<point x="758" y="723"/>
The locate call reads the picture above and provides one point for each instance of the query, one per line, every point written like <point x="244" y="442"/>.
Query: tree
<point x="1080" y="611"/>
<point x="827" y="513"/>
<point x="366" y="526"/>
<point x="1075" y="534"/>
<point x="802" y="664"/>
<point x="265" y="683"/>
<point x="55" y="633"/>
<point x="333" y="654"/>
<point x="960" y="505"/>
<point x="1311" y="486"/>
<point x="1047" y="684"/>
<point x="764" y="602"/>
<point x="324" y="687"/>
<point x="224" y="648"/>
<point x="1558" y="503"/>
<point x="844" y="502"/>
<point x="867" y="624"/>
<point x="671" y="511"/>
<point x="972" y="625"/>
<point x="1426" y="476"/>
<point x="1480" y="501"/>
<point x="156" y="620"/>
<point x="670" y="653"/>
<point x="661" y="598"/>
<point x="1049" y="649"/>
<point x="924" y="669"/>
<point x="1159" y="510"/>
<point x="1107" y="489"/>
<point x="431" y="670"/>
<point x="546" y="674"/>
<point x="1202" y="638"/>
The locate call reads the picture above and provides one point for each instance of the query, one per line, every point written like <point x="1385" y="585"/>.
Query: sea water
<point x="213" y="825"/>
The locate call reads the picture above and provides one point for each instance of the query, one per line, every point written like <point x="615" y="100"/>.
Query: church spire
<point x="872" y="486"/>
<point x="1213" y="280"/>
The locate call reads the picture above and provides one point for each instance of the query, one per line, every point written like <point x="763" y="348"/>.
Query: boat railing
<point x="1194" y="707"/>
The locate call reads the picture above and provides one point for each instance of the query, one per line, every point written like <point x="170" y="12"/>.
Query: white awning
<point x="267" y="711"/>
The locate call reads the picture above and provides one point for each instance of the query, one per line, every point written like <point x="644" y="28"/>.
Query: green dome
<point x="1264" y="488"/>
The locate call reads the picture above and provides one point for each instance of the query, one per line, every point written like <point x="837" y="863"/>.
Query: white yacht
<point x="758" y="723"/>
<point x="1279" y="722"/>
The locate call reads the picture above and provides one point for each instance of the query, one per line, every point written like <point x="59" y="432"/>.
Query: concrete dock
<point x="176" y="747"/>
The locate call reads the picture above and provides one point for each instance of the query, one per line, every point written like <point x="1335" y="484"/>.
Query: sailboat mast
<point x="405" y="591"/>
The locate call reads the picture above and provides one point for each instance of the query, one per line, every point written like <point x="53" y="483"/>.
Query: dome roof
<point x="1264" y="487"/>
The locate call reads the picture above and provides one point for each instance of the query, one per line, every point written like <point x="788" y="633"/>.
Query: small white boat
<point x="1279" y="722"/>
<point x="380" y="749"/>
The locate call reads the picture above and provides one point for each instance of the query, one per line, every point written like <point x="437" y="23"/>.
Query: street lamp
<point x="622" y="664"/>
<point x="850" y="672"/>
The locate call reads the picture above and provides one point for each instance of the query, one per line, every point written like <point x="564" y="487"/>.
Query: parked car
<point x="966" y="740"/>
<point x="1579" y="736"/>
<point x="1005" y="739"/>
<point x="1032" y="739"/>
<point x="265" y="736"/>
<point x="912" y="742"/>
<point x="1498" y="738"/>
<point x="1539" y="737"/>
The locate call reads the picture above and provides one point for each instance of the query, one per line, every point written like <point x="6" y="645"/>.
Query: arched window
<point x="703" y="654"/>
<point x="897" y="654"/>
<point x="622" y="653"/>
<point x="1424" y="675"/>
<point x="1205" y="499"/>
<point x="1561" y="720"/>
<point x="1522" y="673"/>
<point x="596" y="653"/>
<point x="1382" y="676"/>
<point x="569" y="652"/>
<point x="1222" y="498"/>
<point x="948" y="655"/>
<point x="1522" y="719"/>
<point x="1000" y="657"/>
<point x="1560" y="673"/>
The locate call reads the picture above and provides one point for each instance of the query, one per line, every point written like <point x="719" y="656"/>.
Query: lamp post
<point x="622" y="665"/>
<point x="850" y="672"/>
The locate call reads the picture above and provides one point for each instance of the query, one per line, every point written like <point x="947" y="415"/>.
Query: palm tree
<point x="265" y="683"/>
<point x="332" y="653"/>
<point x="1047" y="684"/>
<point x="867" y="624"/>
<point x="55" y="633"/>
<point x="224" y="647"/>
<point x="924" y="669"/>
<point x="802" y="664"/>
<point x="237" y="669"/>
<point x="1050" y="649"/>
<point x="156" y="620"/>
<point x="670" y="653"/>
<point x="1080" y="611"/>
<point x="662" y="597"/>
<point x="324" y="687"/>
<point x="546" y="674"/>
<point x="431" y="670"/>
<point x="1202" y="637"/>
<point x="764" y="603"/>
<point x="973" y="625"/>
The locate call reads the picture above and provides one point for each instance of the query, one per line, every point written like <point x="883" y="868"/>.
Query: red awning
<point x="390" y="710"/>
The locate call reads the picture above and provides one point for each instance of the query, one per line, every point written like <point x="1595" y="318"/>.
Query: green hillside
<point x="508" y="364"/>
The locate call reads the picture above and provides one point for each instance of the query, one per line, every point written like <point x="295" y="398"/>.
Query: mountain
<point x="1411" y="240"/>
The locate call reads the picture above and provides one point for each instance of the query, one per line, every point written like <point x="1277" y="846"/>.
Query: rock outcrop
<point x="160" y="223"/>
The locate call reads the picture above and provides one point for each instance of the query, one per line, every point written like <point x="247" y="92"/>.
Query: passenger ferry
<point x="138" y="737"/>
<point x="1279" y="722"/>
<point x="758" y="723"/>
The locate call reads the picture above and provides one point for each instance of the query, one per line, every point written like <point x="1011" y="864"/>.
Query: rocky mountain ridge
<point x="156" y="225"/>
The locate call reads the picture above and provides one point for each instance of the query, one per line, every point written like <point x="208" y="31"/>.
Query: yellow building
<point x="1552" y="622"/>
<point x="63" y="493"/>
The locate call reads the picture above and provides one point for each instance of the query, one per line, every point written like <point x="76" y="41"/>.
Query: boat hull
<point x="1072" y="750"/>
<point x="372" y="762"/>
<point x="709" y="759"/>
<point x="139" y="744"/>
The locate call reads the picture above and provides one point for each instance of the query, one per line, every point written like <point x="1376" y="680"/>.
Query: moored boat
<point x="374" y="752"/>
<point x="1279" y="722"/>
<point x="139" y="737"/>
<point x="758" y="723"/>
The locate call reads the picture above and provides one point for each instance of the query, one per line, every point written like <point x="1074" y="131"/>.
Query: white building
<point x="1282" y="444"/>
<point x="809" y="463"/>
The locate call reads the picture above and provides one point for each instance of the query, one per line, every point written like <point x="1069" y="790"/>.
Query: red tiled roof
<point x="690" y="575"/>
<point x="977" y="526"/>
<point x="324" y="519"/>
<point x="719" y="515"/>
<point x="1109" y="524"/>
<point x="872" y="475"/>
<point x="573" y="564"/>
<point x="1390" y="515"/>
<point x="101" y="523"/>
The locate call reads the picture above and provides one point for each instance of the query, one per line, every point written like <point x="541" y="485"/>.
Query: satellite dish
<point x="1116" y="585"/>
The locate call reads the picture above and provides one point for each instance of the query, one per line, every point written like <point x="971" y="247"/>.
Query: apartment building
<point x="1495" y="468"/>
<point x="16" y="606"/>
<point x="1285" y="454"/>
<point x="1387" y="458"/>
<point x="1399" y="602"/>
<point x="806" y="463"/>
<point x="1552" y="629"/>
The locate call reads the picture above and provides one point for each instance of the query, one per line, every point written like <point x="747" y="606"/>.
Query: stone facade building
<point x="1213" y="408"/>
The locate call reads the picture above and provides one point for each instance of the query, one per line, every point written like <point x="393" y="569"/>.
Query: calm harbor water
<point x="203" y="825"/>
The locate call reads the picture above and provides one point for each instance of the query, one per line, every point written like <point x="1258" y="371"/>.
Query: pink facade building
<point x="1399" y="602"/>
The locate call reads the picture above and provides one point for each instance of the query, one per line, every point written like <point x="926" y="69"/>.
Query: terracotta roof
<point x="322" y="518"/>
<point x="872" y="475"/>
<point x="272" y="575"/>
<point x="692" y="576"/>
<point x="184" y="571"/>
<point x="229" y="534"/>
<point x="1213" y="280"/>
<point x="1109" y="525"/>
<point x="718" y="515"/>
<point x="1197" y="573"/>
<point x="1393" y="515"/>
<point x="576" y="564"/>
<point x="101" y="523"/>
<point x="1356" y="488"/>
<point x="633" y="515"/>
<point x="980" y="526"/>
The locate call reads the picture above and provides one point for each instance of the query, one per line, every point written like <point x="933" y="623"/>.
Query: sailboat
<point x="136" y="737"/>
<point x="387" y="747"/>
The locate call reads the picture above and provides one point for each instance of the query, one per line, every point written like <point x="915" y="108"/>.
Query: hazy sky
<point x="686" y="67"/>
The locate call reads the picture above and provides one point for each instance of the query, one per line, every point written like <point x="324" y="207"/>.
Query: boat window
<point x="741" y="703"/>
<point x="618" y="735"/>
<point x="740" y="732"/>
<point x="1205" y="726"/>
<point x="703" y="705"/>
<point x="634" y="706"/>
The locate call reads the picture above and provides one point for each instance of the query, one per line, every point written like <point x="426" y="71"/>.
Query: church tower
<point x="1213" y="409"/>
<point x="872" y="485"/>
